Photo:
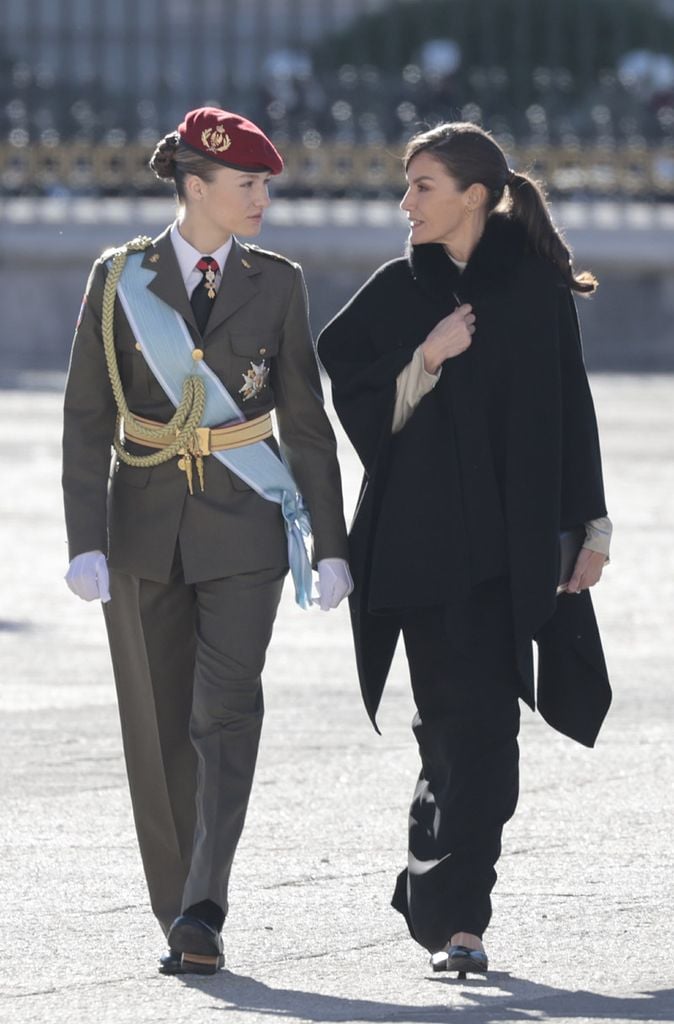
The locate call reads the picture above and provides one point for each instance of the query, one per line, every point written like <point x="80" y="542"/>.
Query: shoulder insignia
<point x="108" y="254"/>
<point x="267" y="252"/>
<point x="137" y="244"/>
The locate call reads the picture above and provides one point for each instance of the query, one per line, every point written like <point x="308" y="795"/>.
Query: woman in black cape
<point x="457" y="372"/>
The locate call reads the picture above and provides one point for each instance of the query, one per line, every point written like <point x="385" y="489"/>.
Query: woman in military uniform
<point x="184" y="346"/>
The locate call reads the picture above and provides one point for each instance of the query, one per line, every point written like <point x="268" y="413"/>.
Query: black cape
<point x="500" y="456"/>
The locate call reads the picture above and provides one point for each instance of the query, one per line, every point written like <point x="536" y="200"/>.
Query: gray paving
<point x="582" y="928"/>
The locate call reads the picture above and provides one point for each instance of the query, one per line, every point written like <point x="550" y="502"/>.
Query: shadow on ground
<point x="515" y="999"/>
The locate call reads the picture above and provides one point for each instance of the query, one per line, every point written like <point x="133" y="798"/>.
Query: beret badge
<point x="229" y="139"/>
<point x="215" y="139"/>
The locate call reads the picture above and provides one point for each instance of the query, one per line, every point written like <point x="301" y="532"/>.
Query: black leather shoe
<point x="461" y="959"/>
<point x="169" y="963"/>
<point x="194" y="948"/>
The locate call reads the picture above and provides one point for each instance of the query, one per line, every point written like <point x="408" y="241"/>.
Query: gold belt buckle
<point x="204" y="438"/>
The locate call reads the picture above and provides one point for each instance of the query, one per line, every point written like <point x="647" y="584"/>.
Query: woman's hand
<point x="450" y="337"/>
<point x="334" y="582"/>
<point x="88" y="576"/>
<point x="587" y="570"/>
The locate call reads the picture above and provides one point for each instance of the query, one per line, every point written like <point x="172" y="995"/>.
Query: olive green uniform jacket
<point x="138" y="515"/>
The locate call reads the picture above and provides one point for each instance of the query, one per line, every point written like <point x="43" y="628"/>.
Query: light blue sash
<point x="167" y="347"/>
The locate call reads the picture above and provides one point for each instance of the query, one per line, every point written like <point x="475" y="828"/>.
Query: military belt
<point x="209" y="439"/>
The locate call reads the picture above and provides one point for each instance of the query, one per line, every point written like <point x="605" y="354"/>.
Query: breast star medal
<point x="254" y="380"/>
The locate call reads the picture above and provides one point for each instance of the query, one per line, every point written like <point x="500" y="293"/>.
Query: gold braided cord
<point x="180" y="431"/>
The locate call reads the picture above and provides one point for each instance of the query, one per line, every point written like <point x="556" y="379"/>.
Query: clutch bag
<point x="570" y="543"/>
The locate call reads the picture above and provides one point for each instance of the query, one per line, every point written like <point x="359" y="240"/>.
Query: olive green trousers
<point x="187" y="660"/>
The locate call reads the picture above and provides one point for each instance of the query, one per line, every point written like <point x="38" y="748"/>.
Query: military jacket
<point x="257" y="330"/>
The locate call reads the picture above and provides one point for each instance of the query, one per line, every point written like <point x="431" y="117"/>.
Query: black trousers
<point x="462" y="668"/>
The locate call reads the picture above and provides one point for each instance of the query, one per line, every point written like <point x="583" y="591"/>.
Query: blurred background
<point x="579" y="92"/>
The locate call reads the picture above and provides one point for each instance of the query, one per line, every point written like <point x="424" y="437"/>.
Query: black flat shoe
<point x="194" y="948"/>
<point x="461" y="959"/>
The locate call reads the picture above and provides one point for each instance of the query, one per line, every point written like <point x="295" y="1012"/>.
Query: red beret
<point x="230" y="139"/>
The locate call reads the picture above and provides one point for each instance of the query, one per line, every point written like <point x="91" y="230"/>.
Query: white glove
<point x="88" y="577"/>
<point x="334" y="582"/>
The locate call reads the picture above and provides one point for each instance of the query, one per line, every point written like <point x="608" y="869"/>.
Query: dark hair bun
<point x="162" y="160"/>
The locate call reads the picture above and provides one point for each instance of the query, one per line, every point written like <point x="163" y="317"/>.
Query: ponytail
<point x="528" y="206"/>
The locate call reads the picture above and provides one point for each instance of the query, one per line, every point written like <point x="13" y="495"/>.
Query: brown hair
<point x="172" y="160"/>
<point x="469" y="154"/>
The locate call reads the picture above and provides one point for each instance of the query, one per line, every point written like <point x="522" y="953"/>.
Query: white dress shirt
<point x="188" y="257"/>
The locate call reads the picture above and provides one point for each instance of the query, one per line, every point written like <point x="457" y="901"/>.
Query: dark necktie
<point x="204" y="293"/>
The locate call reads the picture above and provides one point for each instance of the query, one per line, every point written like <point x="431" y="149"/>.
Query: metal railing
<point x="334" y="169"/>
<point x="584" y="88"/>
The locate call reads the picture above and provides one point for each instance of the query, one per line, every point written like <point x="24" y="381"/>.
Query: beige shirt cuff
<point x="413" y="382"/>
<point x="598" y="535"/>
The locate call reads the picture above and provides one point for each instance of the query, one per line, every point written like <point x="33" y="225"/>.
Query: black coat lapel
<point x="490" y="267"/>
<point x="436" y="275"/>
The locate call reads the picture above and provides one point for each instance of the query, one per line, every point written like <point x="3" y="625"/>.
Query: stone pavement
<point x="583" y="910"/>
